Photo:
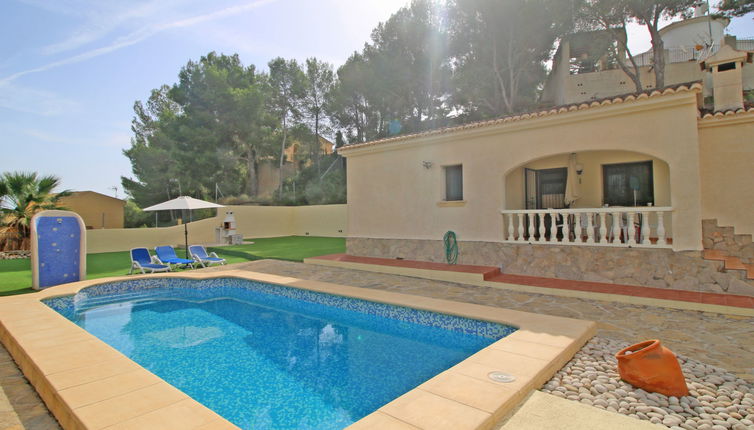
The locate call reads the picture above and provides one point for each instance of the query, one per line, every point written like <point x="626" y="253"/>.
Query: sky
<point x="71" y="70"/>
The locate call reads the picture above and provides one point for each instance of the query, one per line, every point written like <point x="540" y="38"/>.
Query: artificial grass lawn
<point x="15" y="275"/>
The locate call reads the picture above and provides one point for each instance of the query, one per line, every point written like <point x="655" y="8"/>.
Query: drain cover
<point x="501" y="377"/>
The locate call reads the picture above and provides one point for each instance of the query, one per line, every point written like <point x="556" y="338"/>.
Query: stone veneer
<point x="726" y="239"/>
<point x="659" y="268"/>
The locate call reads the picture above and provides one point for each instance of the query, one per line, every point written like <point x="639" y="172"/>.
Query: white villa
<point x="625" y="189"/>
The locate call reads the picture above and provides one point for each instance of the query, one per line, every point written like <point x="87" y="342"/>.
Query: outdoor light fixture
<point x="427" y="164"/>
<point x="498" y="376"/>
<point x="579" y="169"/>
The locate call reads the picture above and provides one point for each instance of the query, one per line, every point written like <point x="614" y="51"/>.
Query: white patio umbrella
<point x="573" y="188"/>
<point x="181" y="203"/>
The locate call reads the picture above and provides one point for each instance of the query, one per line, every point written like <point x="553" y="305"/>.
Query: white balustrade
<point x="520" y="227"/>
<point x="660" y="230"/>
<point x="589" y="228"/>
<point x="603" y="229"/>
<point x="577" y="227"/>
<point x="630" y="227"/>
<point x="616" y="226"/>
<point x="567" y="227"/>
<point x="541" y="237"/>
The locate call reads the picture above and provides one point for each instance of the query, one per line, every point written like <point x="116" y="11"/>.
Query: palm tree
<point x="22" y="195"/>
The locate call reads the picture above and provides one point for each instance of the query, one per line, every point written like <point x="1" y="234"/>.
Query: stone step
<point x="730" y="262"/>
<point x="734" y="263"/>
<point x="725" y="238"/>
<point x="715" y="254"/>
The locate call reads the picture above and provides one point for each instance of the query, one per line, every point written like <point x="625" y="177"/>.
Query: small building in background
<point x="584" y="67"/>
<point x="97" y="210"/>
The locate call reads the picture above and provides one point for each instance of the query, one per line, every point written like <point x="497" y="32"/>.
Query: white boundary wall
<point x="251" y="221"/>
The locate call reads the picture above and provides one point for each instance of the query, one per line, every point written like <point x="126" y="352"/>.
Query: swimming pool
<point x="266" y="356"/>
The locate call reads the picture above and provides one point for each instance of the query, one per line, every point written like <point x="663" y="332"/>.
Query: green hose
<point x="451" y="247"/>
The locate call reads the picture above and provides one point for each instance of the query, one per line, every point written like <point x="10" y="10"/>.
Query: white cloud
<point x="28" y="100"/>
<point x="102" y="18"/>
<point x="133" y="37"/>
<point x="115" y="139"/>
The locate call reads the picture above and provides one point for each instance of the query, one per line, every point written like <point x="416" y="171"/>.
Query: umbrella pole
<point x="185" y="235"/>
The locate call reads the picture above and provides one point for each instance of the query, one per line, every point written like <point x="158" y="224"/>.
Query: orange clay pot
<point x="652" y="367"/>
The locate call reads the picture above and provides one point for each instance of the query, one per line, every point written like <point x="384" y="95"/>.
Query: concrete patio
<point x="716" y="339"/>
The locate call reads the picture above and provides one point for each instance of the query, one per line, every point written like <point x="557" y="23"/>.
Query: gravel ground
<point x="717" y="400"/>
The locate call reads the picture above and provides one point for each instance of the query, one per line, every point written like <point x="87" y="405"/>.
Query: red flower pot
<point x="652" y="367"/>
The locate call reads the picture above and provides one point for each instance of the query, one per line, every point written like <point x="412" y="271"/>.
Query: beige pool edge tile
<point x="219" y="424"/>
<point x="543" y="335"/>
<point x="183" y="415"/>
<point x="426" y="410"/>
<point x="380" y="421"/>
<point x="116" y="410"/>
<point x="487" y="396"/>
<point x="87" y="374"/>
<point x="107" y="388"/>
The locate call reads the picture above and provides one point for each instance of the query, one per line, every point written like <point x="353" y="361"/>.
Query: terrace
<point x="617" y="323"/>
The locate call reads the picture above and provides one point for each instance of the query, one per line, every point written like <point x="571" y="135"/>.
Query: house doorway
<point x="545" y="189"/>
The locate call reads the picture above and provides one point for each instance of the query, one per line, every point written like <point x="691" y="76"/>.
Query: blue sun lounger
<point x="166" y="255"/>
<point x="200" y="255"/>
<point x="143" y="261"/>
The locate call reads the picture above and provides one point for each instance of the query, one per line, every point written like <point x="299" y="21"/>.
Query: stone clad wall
<point x="725" y="239"/>
<point x="659" y="268"/>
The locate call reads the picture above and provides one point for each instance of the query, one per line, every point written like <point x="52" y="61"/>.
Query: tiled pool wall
<point x="227" y="287"/>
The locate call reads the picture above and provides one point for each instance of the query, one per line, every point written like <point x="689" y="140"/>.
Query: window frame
<point x="605" y="188"/>
<point x="448" y="184"/>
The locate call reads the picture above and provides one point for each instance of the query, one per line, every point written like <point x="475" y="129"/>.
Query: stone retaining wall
<point x="659" y="268"/>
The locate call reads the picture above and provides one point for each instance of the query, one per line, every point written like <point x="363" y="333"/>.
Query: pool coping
<point x="87" y="384"/>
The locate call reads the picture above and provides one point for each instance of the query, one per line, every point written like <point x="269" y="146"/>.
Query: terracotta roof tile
<point x="678" y="88"/>
<point x="706" y="114"/>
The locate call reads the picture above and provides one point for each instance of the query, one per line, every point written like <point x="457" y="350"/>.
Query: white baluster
<point x="532" y="217"/>
<point x="577" y="227"/>
<point x="510" y="227"/>
<point x="616" y="227"/>
<point x="603" y="228"/>
<point x="645" y="228"/>
<point x="660" y="229"/>
<point x="631" y="229"/>
<point x="541" y="228"/>
<point x="589" y="227"/>
<point x="520" y="237"/>
<point x="553" y="227"/>
<point x="566" y="229"/>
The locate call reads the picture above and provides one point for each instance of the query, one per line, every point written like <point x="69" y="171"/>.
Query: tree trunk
<point x="634" y="74"/>
<point x="282" y="157"/>
<point x="658" y="55"/>
<point x="251" y="163"/>
<point x="317" y="155"/>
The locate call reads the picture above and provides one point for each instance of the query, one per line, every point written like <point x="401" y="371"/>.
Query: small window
<point x="454" y="183"/>
<point x="726" y="66"/>
<point x="628" y="184"/>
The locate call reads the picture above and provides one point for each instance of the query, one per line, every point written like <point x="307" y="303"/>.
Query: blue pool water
<point x="270" y="357"/>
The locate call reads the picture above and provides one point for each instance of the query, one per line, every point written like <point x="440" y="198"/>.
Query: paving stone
<point x="714" y="340"/>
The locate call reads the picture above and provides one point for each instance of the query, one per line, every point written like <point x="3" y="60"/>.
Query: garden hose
<point x="451" y="247"/>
